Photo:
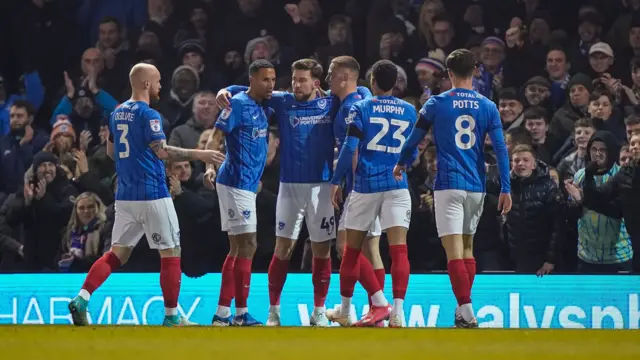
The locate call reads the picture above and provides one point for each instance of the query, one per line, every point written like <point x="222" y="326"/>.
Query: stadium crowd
<point x="565" y="76"/>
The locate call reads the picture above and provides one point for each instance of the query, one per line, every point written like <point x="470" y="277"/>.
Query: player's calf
<point x="97" y="275"/>
<point x="277" y="276"/>
<point x="321" y="277"/>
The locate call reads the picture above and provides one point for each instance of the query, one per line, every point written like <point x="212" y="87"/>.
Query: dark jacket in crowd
<point x="16" y="159"/>
<point x="535" y="224"/>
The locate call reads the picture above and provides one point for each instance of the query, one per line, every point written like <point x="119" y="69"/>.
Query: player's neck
<point x="252" y="94"/>
<point x="466" y="84"/>
<point x="348" y="90"/>
<point x="380" y="93"/>
<point x="140" y="97"/>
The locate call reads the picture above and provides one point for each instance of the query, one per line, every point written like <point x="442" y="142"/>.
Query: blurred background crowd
<point x="564" y="74"/>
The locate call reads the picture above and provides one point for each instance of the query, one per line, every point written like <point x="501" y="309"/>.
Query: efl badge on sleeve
<point x="350" y="118"/>
<point x="225" y="114"/>
<point x="155" y="125"/>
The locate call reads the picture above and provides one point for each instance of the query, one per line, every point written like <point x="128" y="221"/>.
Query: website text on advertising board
<point x="510" y="301"/>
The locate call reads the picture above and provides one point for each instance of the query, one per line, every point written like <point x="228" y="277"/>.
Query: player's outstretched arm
<point x="213" y="143"/>
<point x="167" y="152"/>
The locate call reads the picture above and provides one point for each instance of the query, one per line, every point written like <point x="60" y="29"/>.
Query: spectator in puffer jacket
<point x="535" y="224"/>
<point x="604" y="246"/>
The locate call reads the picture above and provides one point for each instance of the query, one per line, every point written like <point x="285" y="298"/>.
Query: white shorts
<point x="156" y="219"/>
<point x="390" y="208"/>
<point x="311" y="201"/>
<point x="457" y="211"/>
<point x="237" y="210"/>
<point x="374" y="230"/>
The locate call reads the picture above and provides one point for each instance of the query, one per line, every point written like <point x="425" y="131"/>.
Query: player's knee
<point x="122" y="252"/>
<point x="321" y="250"/>
<point x="247" y="244"/>
<point x="172" y="252"/>
<point x="284" y="248"/>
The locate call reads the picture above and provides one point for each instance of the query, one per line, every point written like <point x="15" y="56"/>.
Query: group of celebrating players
<point x="377" y="136"/>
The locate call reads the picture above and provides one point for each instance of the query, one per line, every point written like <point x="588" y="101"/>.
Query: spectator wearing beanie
<point x="511" y="107"/>
<point x="257" y="48"/>
<point x="45" y="209"/>
<point x="63" y="137"/>
<point x="176" y="106"/>
<point x="192" y="53"/>
<point x="604" y="246"/>
<point x="579" y="89"/>
<point x="489" y="77"/>
<point x="536" y="92"/>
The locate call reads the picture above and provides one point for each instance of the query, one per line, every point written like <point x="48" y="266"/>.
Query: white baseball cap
<point x="601" y="47"/>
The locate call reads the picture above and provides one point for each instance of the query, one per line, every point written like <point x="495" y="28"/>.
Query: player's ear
<point x="316" y="83"/>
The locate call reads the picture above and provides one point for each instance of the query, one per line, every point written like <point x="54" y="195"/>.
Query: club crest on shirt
<point x="322" y="104"/>
<point x="225" y="114"/>
<point x="155" y="125"/>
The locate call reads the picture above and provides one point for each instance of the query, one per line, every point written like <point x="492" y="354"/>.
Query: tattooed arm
<point x="168" y="152"/>
<point x="215" y="142"/>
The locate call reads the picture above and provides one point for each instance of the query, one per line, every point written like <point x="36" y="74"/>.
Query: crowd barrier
<point x="502" y="301"/>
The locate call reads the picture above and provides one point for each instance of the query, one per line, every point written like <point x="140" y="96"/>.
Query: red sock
<point x="321" y="276"/>
<point x="349" y="269"/>
<point x="228" y="285"/>
<point x="100" y="271"/>
<point x="277" y="276"/>
<point x="459" y="281"/>
<point x="367" y="277"/>
<point x="470" y="264"/>
<point x="380" y="275"/>
<point x="399" y="270"/>
<point x="170" y="278"/>
<point x="242" y="274"/>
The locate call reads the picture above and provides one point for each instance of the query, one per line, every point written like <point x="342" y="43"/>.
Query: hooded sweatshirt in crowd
<point x="602" y="239"/>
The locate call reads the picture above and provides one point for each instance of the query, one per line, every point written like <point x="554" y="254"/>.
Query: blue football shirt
<point x="140" y="173"/>
<point x="378" y="127"/>
<point x="461" y="119"/>
<point x="246" y="127"/>
<point x="306" y="137"/>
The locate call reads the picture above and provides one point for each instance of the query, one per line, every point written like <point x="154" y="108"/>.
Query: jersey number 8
<point x="124" y="128"/>
<point x="398" y="135"/>
<point x="465" y="131"/>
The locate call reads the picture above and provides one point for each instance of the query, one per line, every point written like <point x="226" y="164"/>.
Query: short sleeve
<point x="230" y="118"/>
<point x="354" y="119"/>
<point x="428" y="111"/>
<point x="153" y="126"/>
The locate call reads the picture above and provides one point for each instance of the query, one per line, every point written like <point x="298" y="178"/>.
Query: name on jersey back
<point x="466" y="104"/>
<point x="388" y="106"/>
<point x="124" y="116"/>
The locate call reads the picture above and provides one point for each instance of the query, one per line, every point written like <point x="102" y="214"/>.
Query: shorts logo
<point x="322" y="104"/>
<point x="408" y="214"/>
<point x="280" y="225"/>
<point x="246" y="214"/>
<point x="156" y="238"/>
<point x="231" y="213"/>
<point x="155" y="125"/>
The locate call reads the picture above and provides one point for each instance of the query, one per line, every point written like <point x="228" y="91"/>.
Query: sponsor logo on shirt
<point x="309" y="120"/>
<point x="349" y="119"/>
<point x="258" y="133"/>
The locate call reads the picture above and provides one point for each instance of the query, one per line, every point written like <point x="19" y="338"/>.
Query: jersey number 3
<point x="398" y="135"/>
<point x="468" y="130"/>
<point x="124" y="131"/>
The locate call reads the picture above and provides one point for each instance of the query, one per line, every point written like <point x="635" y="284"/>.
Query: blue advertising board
<point x="502" y="301"/>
